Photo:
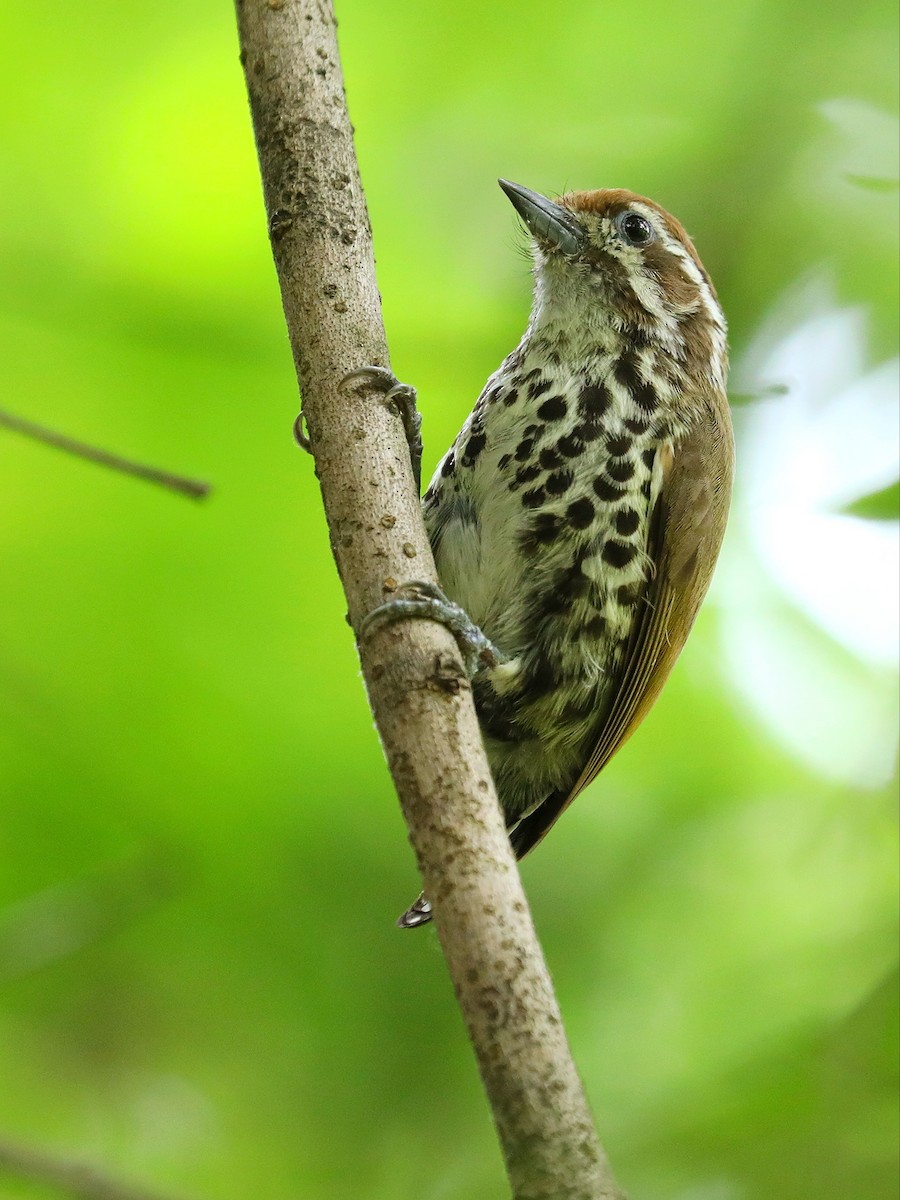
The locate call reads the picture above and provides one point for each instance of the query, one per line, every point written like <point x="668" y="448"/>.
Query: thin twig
<point x="69" y="1176"/>
<point x="321" y="240"/>
<point x="196" y="489"/>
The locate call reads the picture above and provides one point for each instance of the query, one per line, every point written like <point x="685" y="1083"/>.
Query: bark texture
<point x="421" y="700"/>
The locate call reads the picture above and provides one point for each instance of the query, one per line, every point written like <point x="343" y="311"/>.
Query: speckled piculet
<point x="577" y="517"/>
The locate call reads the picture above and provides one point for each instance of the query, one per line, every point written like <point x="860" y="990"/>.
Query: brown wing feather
<point x="685" y="537"/>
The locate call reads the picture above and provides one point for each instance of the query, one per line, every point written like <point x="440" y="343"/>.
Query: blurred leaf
<point x="765" y="392"/>
<point x="873" y="183"/>
<point x="883" y="505"/>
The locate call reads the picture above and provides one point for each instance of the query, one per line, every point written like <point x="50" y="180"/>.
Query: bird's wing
<point x="686" y="532"/>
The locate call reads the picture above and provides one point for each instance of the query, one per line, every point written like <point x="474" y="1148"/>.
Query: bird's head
<point x="611" y="259"/>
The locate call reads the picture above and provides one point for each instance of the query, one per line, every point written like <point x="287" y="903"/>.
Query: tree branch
<point x="321" y="240"/>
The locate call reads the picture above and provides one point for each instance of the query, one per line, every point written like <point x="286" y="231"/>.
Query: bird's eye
<point x="634" y="229"/>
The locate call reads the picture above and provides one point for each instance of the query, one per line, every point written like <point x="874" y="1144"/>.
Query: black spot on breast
<point x="570" y="445"/>
<point x="619" y="446"/>
<point x="474" y="447"/>
<point x="594" y="401"/>
<point x="595" y="628"/>
<point x="496" y="714"/>
<point x="543" y="530"/>
<point x="559" y="482"/>
<point x="534" y="498"/>
<point x="524" y="449"/>
<point x="505" y="460"/>
<point x="566" y="587"/>
<point x="646" y="398"/>
<point x="525" y="475"/>
<point x="649" y="457"/>
<point x="538" y="387"/>
<point x="511" y="397"/>
<point x="639" y="339"/>
<point x="448" y="466"/>
<point x="542" y="676"/>
<point x="588" y="431"/>
<point x="626" y="521"/>
<point x="580" y="513"/>
<point x="553" y="409"/>
<point x="549" y="458"/>
<point x="621" y="470"/>
<point x="513" y="359"/>
<point x="606" y="490"/>
<point x="619" y="554"/>
<point x="627" y="372"/>
<point x="534" y="373"/>
<point x="493" y="395"/>
<point x="637" y="424"/>
<point x="628" y="595"/>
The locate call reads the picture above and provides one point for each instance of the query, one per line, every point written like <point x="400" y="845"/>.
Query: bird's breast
<point x="539" y="516"/>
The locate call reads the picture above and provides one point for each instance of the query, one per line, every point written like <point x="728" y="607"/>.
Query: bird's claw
<point x="403" y="397"/>
<point x="426" y="601"/>
<point x="301" y="437"/>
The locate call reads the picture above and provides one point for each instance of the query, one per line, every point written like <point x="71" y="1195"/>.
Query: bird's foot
<point x="427" y="602"/>
<point x="403" y="397"/>
<point x="418" y="913"/>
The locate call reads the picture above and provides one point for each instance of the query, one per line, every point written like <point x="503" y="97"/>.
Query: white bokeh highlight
<point x="833" y="438"/>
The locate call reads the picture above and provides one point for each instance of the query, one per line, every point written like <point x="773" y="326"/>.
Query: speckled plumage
<point x="541" y="537"/>
<point x="553" y="515"/>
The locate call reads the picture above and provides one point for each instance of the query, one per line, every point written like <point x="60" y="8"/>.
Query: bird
<point x="577" y="517"/>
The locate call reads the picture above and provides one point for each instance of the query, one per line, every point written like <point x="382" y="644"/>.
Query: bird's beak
<point x="548" y="222"/>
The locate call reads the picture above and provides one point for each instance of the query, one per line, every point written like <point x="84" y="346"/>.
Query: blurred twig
<point x="321" y="240"/>
<point x="69" y="1176"/>
<point x="194" y="488"/>
<point x="769" y="391"/>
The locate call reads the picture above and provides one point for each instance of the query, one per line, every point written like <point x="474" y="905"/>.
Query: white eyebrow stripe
<point x="678" y="248"/>
<point x="670" y="327"/>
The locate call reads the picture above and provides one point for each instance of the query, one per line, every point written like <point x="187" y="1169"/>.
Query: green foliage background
<point x="200" y="852"/>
